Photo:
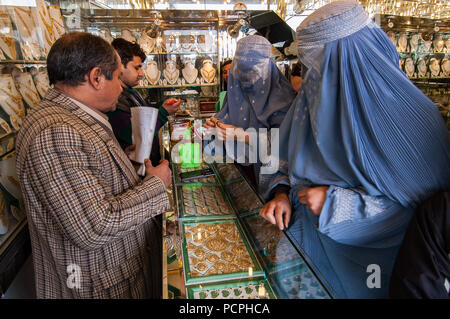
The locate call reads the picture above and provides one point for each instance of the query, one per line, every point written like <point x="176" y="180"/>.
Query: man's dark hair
<point x="296" y="69"/>
<point x="127" y="50"/>
<point x="75" y="54"/>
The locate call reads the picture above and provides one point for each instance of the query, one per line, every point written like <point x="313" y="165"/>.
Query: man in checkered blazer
<point x="89" y="215"/>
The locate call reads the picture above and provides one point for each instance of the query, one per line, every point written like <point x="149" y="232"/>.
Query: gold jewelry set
<point x="27" y="13"/>
<point x="16" y="99"/>
<point x="204" y="201"/>
<point x="28" y="89"/>
<point x="212" y="254"/>
<point x="49" y="35"/>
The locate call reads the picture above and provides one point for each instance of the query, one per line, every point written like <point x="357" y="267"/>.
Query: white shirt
<point x="96" y="115"/>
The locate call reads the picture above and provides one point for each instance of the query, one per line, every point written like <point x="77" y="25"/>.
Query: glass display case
<point x="222" y="247"/>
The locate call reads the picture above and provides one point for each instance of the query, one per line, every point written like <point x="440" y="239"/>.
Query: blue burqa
<point x="360" y="126"/>
<point x="258" y="96"/>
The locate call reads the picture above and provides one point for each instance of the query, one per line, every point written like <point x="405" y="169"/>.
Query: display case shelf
<point x="23" y="62"/>
<point x="174" y="86"/>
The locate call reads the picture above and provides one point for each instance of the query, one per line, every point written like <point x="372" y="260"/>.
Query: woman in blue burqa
<point x="361" y="146"/>
<point x="258" y="96"/>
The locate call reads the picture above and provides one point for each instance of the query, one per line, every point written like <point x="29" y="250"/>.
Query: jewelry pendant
<point x="152" y="73"/>
<point x="207" y="71"/>
<point x="171" y="73"/>
<point x="190" y="73"/>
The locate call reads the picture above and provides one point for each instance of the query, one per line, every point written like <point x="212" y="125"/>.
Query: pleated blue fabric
<point x="360" y="126"/>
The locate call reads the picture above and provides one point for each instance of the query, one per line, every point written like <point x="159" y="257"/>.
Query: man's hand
<point x="313" y="198"/>
<point x="277" y="211"/>
<point x="162" y="171"/>
<point x="171" y="105"/>
<point x="129" y="149"/>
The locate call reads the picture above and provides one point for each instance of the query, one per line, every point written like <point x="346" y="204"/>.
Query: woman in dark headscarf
<point x="365" y="147"/>
<point x="258" y="95"/>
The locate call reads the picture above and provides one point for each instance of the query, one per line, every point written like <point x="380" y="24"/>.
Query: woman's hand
<point x="313" y="198"/>
<point x="210" y="123"/>
<point x="277" y="211"/>
<point x="228" y="132"/>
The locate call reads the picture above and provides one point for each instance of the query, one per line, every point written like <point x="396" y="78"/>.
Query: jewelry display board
<point x="183" y="49"/>
<point x="423" y="46"/>
<point x="251" y="289"/>
<point x="217" y="250"/>
<point x="26" y="36"/>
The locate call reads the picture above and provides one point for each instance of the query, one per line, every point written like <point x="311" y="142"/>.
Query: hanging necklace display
<point x="426" y="46"/>
<point x="175" y="42"/>
<point x="160" y="46"/>
<point x="57" y="21"/>
<point x="409" y="67"/>
<point x="7" y="43"/>
<point x="10" y="99"/>
<point x="27" y="89"/>
<point x="171" y="73"/>
<point x="422" y="67"/>
<point x="152" y="73"/>
<point x="42" y="83"/>
<point x="447" y="45"/>
<point x="4" y="127"/>
<point x="414" y="42"/>
<point x="438" y="43"/>
<point x="23" y="19"/>
<point x="146" y="43"/>
<point x="446" y="67"/>
<point x="106" y="34"/>
<point x="435" y="67"/>
<point x="186" y="46"/>
<point x="402" y="42"/>
<point x="126" y="34"/>
<point x="392" y="35"/>
<point x="208" y="72"/>
<point x="8" y="176"/>
<point x="170" y="43"/>
<point x="45" y="26"/>
<point x="195" y="46"/>
<point x="401" y="62"/>
<point x="189" y="72"/>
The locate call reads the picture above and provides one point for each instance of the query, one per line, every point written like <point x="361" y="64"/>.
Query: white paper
<point x="143" y="122"/>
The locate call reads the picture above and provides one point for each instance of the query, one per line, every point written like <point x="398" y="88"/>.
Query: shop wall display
<point x="423" y="46"/>
<point x="26" y="36"/>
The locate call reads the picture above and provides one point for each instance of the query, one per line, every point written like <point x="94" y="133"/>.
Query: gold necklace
<point x="34" y="99"/>
<point x="47" y="26"/>
<point x="19" y="112"/>
<point x="15" y="98"/>
<point x="23" y="21"/>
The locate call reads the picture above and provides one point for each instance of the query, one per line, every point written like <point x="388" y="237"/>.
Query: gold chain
<point x="23" y="21"/>
<point x="47" y="26"/>
<point x="15" y="98"/>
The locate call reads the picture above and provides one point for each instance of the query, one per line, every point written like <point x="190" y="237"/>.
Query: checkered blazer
<point x="90" y="217"/>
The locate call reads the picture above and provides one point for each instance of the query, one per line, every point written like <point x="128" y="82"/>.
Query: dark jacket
<point x="120" y="120"/>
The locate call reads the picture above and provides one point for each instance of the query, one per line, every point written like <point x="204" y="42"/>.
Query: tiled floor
<point x="22" y="286"/>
